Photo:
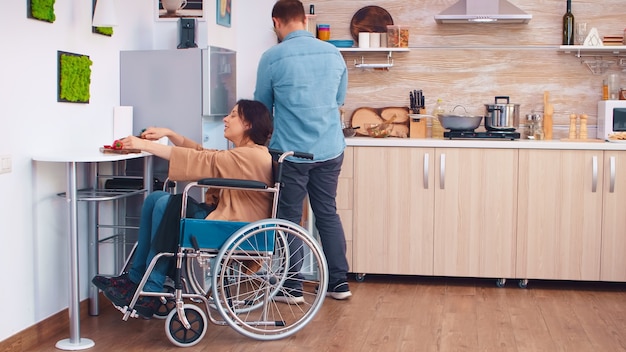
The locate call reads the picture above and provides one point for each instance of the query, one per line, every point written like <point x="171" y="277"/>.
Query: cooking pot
<point x="501" y="117"/>
<point x="458" y="122"/>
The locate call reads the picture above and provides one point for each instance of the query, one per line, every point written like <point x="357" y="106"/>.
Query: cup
<point x="581" y="32"/>
<point x="171" y="6"/>
<point x="364" y="40"/>
<point x="613" y="84"/>
<point x="374" y="40"/>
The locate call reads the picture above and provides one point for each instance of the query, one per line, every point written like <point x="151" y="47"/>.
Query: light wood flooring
<point x="391" y="313"/>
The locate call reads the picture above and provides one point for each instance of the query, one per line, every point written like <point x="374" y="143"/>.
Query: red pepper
<point x="117" y="144"/>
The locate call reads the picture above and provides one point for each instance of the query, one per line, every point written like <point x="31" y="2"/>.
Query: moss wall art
<point x="74" y="77"/>
<point x="108" y="31"/>
<point x="42" y="10"/>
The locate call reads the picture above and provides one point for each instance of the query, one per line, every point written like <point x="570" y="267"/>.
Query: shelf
<point x="595" y="57"/>
<point x="375" y="49"/>
<point x="104" y="194"/>
<point x="386" y="65"/>
<point x="582" y="50"/>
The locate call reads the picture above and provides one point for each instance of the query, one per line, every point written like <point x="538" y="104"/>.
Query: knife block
<point x="417" y="125"/>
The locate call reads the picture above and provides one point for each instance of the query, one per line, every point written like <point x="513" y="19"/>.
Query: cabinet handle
<point x="426" y="171"/>
<point x="594" y="173"/>
<point x="442" y="171"/>
<point x="612" y="170"/>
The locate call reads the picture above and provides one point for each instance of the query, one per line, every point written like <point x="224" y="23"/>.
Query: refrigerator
<point x="187" y="90"/>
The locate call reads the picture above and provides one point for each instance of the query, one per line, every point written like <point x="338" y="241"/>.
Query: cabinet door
<point x="475" y="207"/>
<point x="613" y="262"/>
<point x="560" y="212"/>
<point x="393" y="210"/>
<point x="345" y="191"/>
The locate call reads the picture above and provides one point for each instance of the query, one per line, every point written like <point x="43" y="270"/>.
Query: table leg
<point x="74" y="342"/>
<point x="92" y="237"/>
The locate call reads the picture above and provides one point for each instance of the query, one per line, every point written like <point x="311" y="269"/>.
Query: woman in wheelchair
<point x="248" y="127"/>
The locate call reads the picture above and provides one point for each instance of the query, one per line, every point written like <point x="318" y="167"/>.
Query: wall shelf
<point x="598" y="59"/>
<point x="361" y="64"/>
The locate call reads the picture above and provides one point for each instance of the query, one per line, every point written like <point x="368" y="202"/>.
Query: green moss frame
<point x="108" y="31"/>
<point x="42" y="10"/>
<point x="74" y="77"/>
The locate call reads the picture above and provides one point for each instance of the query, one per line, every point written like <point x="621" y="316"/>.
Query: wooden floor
<point x="389" y="313"/>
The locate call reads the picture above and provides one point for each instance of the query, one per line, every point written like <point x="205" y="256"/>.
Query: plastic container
<point x="397" y="36"/>
<point x="323" y="31"/>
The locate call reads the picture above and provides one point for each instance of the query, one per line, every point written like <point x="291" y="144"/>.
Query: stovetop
<point x="512" y="135"/>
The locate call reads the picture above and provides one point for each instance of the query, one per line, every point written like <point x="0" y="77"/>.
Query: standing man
<point x="303" y="81"/>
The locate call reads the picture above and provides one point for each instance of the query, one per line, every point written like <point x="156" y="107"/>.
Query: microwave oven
<point x="611" y="117"/>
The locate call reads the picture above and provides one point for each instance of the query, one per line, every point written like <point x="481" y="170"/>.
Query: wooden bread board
<point x="365" y="115"/>
<point x="119" y="151"/>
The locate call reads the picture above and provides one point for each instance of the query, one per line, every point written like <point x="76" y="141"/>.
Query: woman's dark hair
<point x="256" y="114"/>
<point x="289" y="10"/>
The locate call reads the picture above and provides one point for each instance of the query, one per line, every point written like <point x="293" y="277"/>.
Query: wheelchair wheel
<point x="176" y="331"/>
<point x="251" y="276"/>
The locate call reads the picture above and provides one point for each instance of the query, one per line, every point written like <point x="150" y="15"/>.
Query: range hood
<point x="483" y="11"/>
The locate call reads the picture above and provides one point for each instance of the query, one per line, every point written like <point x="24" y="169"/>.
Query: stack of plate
<point x="342" y="43"/>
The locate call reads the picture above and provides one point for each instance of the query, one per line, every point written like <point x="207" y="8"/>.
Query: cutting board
<point x="119" y="151"/>
<point x="365" y="115"/>
<point x="372" y="19"/>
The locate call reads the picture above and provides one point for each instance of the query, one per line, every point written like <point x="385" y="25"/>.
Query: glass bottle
<point x="568" y="25"/>
<point x="436" y="128"/>
<point x="538" y="127"/>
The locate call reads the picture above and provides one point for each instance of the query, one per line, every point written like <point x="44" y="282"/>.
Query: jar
<point x="323" y="32"/>
<point x="622" y="94"/>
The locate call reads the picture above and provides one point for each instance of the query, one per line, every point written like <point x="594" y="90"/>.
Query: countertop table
<point x="72" y="196"/>
<point x="484" y="143"/>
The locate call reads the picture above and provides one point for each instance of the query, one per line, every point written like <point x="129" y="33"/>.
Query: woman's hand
<point x="156" y="133"/>
<point x="132" y="142"/>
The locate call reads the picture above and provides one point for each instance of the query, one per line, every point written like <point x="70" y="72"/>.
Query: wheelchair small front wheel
<point x="181" y="336"/>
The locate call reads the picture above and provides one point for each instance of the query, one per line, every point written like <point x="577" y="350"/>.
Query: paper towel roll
<point x="122" y="121"/>
<point x="374" y="40"/>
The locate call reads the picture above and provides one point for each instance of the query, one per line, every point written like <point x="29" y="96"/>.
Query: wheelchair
<point x="231" y="273"/>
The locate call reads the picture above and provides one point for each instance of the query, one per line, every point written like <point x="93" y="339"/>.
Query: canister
<point x="622" y="93"/>
<point x="323" y="31"/>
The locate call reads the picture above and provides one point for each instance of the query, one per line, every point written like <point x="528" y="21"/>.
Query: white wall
<point x="33" y="220"/>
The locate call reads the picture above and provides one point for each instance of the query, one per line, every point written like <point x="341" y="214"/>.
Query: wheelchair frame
<point x="248" y="266"/>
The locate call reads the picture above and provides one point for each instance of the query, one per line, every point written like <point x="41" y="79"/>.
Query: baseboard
<point x="29" y="338"/>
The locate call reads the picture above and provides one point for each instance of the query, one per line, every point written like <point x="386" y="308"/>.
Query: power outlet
<point x="5" y="164"/>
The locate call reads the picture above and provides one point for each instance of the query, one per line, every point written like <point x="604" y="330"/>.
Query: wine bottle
<point x="568" y="25"/>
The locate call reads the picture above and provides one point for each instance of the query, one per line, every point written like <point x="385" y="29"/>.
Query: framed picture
<point x="223" y="12"/>
<point x="172" y="10"/>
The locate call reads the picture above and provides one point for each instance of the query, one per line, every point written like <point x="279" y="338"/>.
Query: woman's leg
<point x="151" y="214"/>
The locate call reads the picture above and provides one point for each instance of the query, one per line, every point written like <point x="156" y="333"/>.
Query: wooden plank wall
<point x="470" y="64"/>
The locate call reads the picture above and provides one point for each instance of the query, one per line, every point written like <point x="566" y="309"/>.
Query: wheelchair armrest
<point x="232" y="182"/>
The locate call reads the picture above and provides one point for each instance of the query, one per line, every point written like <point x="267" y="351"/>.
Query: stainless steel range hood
<point x="483" y="11"/>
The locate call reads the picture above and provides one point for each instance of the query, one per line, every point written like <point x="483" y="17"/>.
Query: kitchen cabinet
<point x="427" y="211"/>
<point x="475" y="212"/>
<point x="537" y="211"/>
<point x="393" y="211"/>
<point x="559" y="232"/>
<point x="344" y="199"/>
<point x="613" y="260"/>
